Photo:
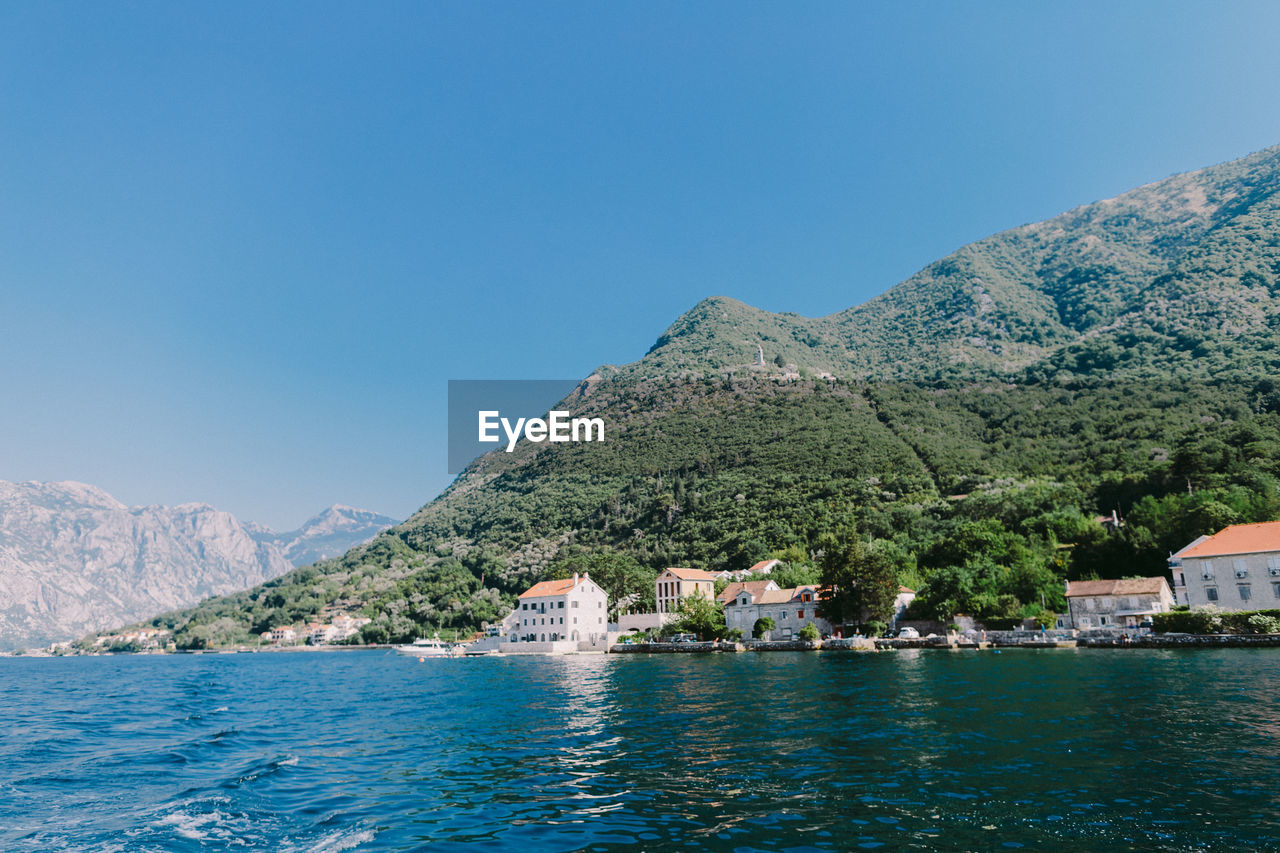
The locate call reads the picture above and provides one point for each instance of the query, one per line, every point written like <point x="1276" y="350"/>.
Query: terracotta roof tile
<point x="692" y="574"/>
<point x="776" y="596"/>
<point x="754" y="587"/>
<point x="1236" y="539"/>
<point x="559" y="587"/>
<point x="1121" y="586"/>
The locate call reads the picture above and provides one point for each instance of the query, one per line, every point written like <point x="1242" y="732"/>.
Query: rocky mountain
<point x="73" y="559"/>
<point x="1179" y="274"/>
<point x="326" y="535"/>
<point x="973" y="421"/>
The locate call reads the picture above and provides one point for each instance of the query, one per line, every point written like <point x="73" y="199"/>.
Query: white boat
<point x="424" y="648"/>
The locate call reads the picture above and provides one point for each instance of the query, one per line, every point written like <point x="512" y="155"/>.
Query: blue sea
<point x="908" y="750"/>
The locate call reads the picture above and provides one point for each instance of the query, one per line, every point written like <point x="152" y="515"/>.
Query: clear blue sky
<point x="243" y="246"/>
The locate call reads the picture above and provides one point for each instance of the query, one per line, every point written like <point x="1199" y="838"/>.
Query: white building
<point x="560" y="616"/>
<point x="763" y="567"/>
<point x="1117" y="603"/>
<point x="1237" y="568"/>
<point x="675" y="584"/>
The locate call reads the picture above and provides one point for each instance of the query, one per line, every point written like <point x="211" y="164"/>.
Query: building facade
<point x="1122" y="603"/>
<point x="572" y="610"/>
<point x="1237" y="568"/>
<point x="675" y="584"/>
<point x="790" y="610"/>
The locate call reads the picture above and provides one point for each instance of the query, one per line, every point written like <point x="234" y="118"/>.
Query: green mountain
<point x="972" y="421"/>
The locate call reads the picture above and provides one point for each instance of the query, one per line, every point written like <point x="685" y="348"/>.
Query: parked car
<point x="909" y="633"/>
<point x="685" y="638"/>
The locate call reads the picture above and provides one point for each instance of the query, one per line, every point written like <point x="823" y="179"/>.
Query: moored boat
<point x="424" y="648"/>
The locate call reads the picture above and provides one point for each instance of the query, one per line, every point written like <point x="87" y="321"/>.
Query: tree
<point x="860" y="582"/>
<point x="763" y="626"/>
<point x="809" y="632"/>
<point x="624" y="580"/>
<point x="700" y="616"/>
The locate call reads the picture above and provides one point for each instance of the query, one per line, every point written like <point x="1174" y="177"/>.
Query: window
<point x="1275" y="589"/>
<point x="575" y="604"/>
<point x="1242" y="568"/>
<point x="1206" y="569"/>
<point x="1211" y="593"/>
<point x="524" y="606"/>
<point x="1103" y="620"/>
<point x="1273" y="564"/>
<point x="1245" y="593"/>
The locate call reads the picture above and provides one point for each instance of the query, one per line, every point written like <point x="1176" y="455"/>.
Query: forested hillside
<point x="972" y="422"/>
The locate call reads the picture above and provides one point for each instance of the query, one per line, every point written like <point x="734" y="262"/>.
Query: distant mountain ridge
<point x="73" y="559"/>
<point x="325" y="535"/>
<point x="1178" y="273"/>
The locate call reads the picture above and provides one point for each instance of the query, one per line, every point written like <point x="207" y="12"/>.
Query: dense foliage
<point x="1210" y="621"/>
<point x="973" y="423"/>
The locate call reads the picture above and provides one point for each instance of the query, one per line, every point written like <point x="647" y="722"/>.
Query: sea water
<point x="908" y="750"/>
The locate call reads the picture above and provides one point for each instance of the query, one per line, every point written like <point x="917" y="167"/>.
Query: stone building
<point x="1237" y="568"/>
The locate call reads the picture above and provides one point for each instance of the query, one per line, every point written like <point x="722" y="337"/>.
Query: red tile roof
<point x="763" y="564"/>
<point x="754" y="587"/>
<point x="692" y="574"/>
<point x="559" y="587"/>
<point x="1124" y="586"/>
<point x="1236" y="539"/>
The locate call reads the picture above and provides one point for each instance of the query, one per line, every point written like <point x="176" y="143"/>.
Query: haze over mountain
<point x="73" y="559"/>
<point x="972" y="421"/>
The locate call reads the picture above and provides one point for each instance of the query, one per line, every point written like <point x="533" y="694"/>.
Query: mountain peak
<point x="1169" y="262"/>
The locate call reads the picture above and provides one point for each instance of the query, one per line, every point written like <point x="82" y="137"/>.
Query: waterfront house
<point x="1122" y="603"/>
<point x="790" y="610"/>
<point x="281" y="636"/>
<point x="569" y="610"/>
<point x="730" y="593"/>
<point x="675" y="584"/>
<point x="1237" y="568"/>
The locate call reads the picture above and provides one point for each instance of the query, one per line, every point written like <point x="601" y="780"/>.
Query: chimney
<point x="575" y="578"/>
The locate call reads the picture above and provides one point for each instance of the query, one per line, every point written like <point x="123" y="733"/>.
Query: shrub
<point x="763" y="625"/>
<point x="1260" y="623"/>
<point x="809" y="632"/>
<point x="733" y="635"/>
<point x="1212" y="621"/>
